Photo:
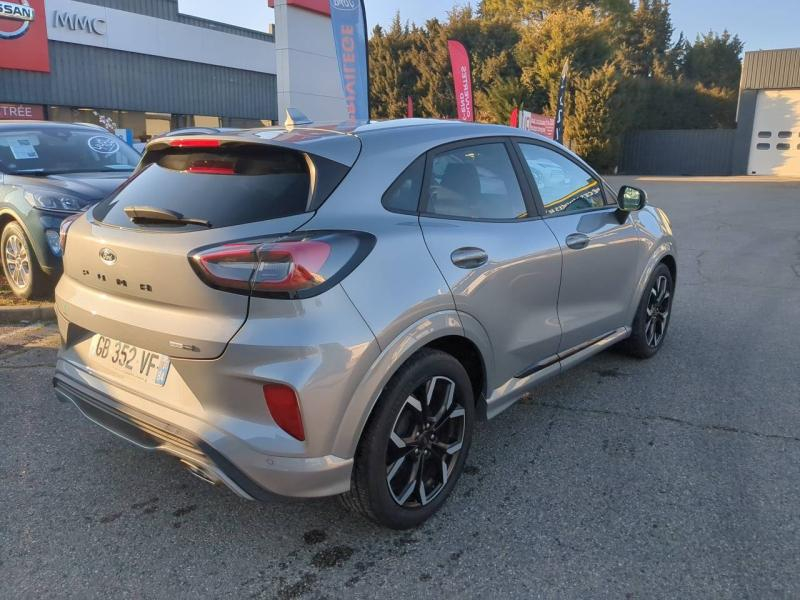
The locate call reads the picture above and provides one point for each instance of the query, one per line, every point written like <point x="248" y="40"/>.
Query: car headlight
<point x="54" y="201"/>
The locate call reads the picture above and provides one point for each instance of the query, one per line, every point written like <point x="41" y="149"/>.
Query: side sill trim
<point x="516" y="387"/>
<point x="551" y="360"/>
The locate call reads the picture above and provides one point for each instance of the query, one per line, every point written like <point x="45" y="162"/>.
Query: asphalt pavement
<point x="674" y="477"/>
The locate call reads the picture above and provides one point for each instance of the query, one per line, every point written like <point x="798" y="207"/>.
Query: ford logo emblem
<point x="107" y="256"/>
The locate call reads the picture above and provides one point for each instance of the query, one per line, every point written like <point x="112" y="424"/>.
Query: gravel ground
<point x="674" y="477"/>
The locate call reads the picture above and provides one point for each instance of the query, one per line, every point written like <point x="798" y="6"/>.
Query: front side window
<point x="563" y="185"/>
<point x="50" y="150"/>
<point x="475" y="182"/>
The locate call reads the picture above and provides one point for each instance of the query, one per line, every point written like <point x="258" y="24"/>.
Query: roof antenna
<point x="296" y="117"/>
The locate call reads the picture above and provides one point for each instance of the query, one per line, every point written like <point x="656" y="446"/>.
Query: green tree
<point x="392" y="76"/>
<point x="591" y="128"/>
<point x="645" y="48"/>
<point x="494" y="103"/>
<point x="575" y="35"/>
<point x="625" y="73"/>
<point x="714" y="60"/>
<point x="538" y="10"/>
<point x="433" y="91"/>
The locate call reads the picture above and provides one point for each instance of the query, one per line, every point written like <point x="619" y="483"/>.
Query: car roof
<point x="341" y="142"/>
<point x="17" y="123"/>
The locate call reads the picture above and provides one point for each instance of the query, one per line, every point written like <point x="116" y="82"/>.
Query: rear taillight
<point x="298" y="265"/>
<point x="63" y="229"/>
<point x="285" y="409"/>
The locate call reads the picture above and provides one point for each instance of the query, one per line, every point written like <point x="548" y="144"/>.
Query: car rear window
<point x="221" y="186"/>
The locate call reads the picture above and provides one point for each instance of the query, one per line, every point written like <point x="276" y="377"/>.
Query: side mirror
<point x="631" y="198"/>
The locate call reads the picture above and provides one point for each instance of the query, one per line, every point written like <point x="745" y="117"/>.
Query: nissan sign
<point x="23" y="36"/>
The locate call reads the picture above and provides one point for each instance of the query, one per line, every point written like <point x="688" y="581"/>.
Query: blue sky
<point x="763" y="24"/>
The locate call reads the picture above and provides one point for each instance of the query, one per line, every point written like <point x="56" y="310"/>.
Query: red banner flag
<point x="409" y="107"/>
<point x="462" y="80"/>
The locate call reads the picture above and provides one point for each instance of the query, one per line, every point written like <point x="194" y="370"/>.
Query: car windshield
<point x="50" y="150"/>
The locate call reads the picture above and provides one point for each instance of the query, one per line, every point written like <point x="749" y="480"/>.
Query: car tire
<point x="384" y="471"/>
<point x="652" y="315"/>
<point x="20" y="267"/>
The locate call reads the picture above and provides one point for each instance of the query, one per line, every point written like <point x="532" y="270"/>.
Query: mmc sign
<point x="23" y="36"/>
<point x="75" y="22"/>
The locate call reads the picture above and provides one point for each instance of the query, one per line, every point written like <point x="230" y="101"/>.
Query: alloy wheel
<point x="658" y="308"/>
<point x="424" y="443"/>
<point x="18" y="264"/>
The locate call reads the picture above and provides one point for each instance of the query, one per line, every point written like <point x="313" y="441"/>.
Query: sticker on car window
<point x="22" y="149"/>
<point x="22" y="146"/>
<point x="103" y="144"/>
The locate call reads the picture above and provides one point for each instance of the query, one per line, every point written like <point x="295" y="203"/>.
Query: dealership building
<point x="139" y="66"/>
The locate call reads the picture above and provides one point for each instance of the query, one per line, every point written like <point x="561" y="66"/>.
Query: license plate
<point x="142" y="364"/>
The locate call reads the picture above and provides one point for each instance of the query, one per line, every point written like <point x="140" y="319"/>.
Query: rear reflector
<point x="299" y="265"/>
<point x="285" y="409"/>
<point x="194" y="143"/>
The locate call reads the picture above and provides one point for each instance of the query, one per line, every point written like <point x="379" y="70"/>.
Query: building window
<point x="782" y="146"/>
<point x="762" y="146"/>
<point x="765" y="134"/>
<point x="784" y="134"/>
<point x="206" y="121"/>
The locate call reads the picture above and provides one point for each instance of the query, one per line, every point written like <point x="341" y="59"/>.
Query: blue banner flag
<point x="349" y="22"/>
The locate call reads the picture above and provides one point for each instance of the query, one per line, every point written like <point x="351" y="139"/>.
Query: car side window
<point x="563" y="185"/>
<point x="403" y="195"/>
<point x="475" y="182"/>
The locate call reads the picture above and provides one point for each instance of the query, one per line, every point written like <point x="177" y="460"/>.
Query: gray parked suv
<point x="313" y="311"/>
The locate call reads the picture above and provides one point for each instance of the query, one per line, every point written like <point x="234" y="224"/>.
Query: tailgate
<point x="127" y="273"/>
<point x="141" y="289"/>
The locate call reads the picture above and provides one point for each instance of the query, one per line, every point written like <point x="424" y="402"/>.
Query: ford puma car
<point x="328" y="311"/>
<point x="49" y="171"/>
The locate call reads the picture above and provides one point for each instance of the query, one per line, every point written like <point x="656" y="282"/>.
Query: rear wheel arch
<point x="460" y="347"/>
<point x="466" y="352"/>
<point x="438" y="331"/>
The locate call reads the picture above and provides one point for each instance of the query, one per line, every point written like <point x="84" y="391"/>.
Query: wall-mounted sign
<point x="78" y="22"/>
<point x="23" y="36"/>
<point x="103" y="27"/>
<point x="27" y="112"/>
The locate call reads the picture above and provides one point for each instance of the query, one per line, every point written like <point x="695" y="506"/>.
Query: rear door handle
<point x="576" y="241"/>
<point x="469" y="257"/>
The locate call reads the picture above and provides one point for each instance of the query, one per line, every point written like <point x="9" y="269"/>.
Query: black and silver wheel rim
<point x="425" y="442"/>
<point x="18" y="263"/>
<point x="658" y="307"/>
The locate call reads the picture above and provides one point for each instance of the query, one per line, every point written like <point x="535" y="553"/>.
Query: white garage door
<point x="775" y="147"/>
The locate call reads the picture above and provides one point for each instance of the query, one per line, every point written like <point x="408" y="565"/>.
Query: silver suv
<point x="311" y="311"/>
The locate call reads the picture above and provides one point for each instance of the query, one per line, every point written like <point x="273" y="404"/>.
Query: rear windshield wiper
<point x="153" y="214"/>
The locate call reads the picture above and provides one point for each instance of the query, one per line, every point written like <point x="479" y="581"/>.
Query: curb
<point x="27" y="314"/>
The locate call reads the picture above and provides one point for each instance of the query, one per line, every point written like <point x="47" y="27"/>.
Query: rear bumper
<point x="207" y="453"/>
